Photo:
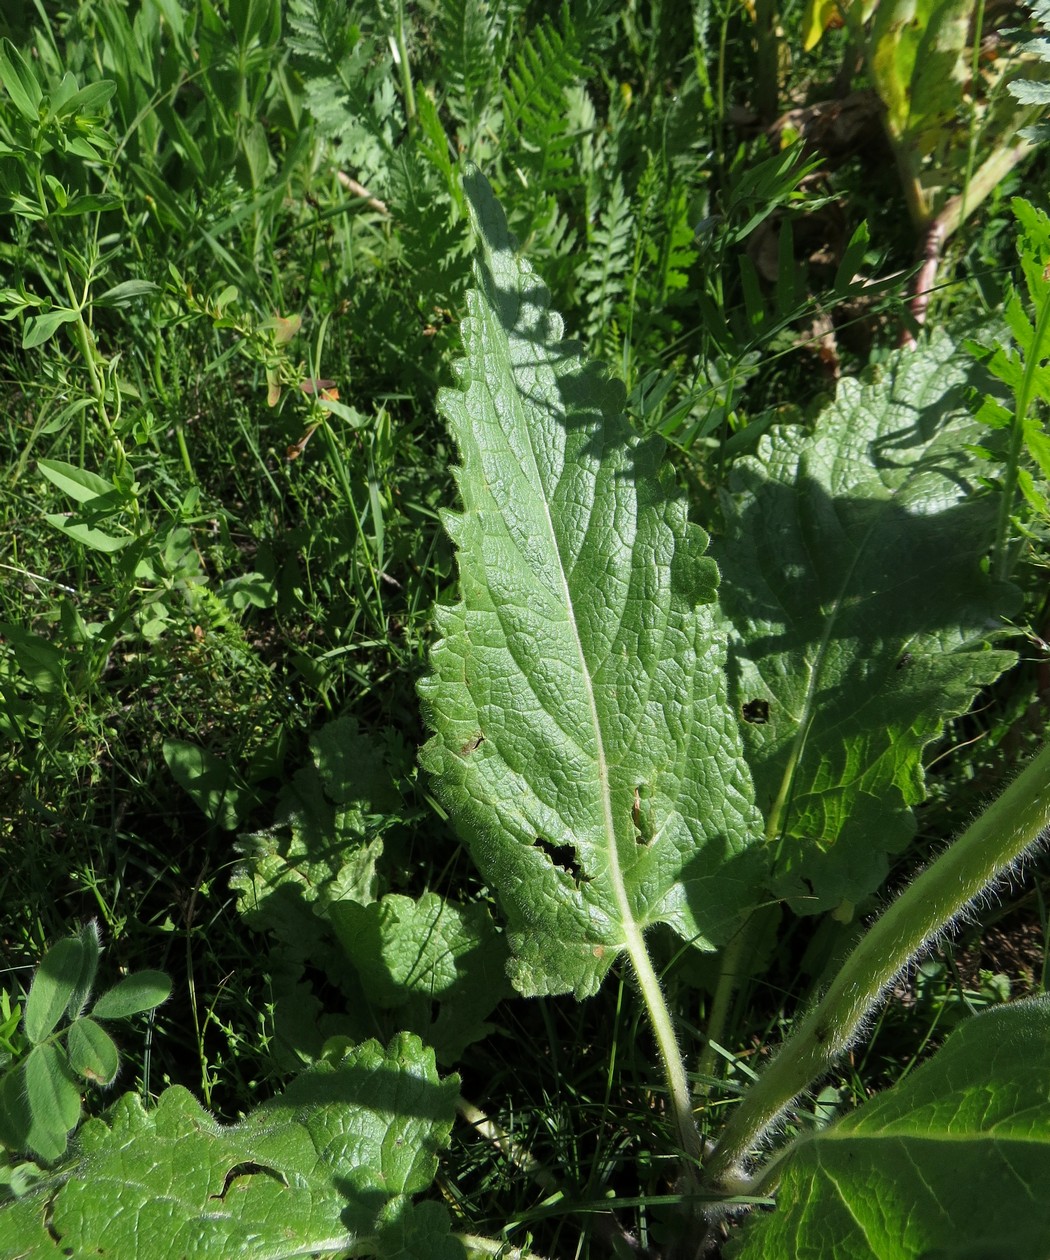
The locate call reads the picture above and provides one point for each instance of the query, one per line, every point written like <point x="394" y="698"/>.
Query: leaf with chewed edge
<point x="328" y="1167"/>
<point x="583" y="740"/>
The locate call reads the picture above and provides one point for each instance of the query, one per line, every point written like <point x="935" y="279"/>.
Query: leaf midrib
<point x="632" y="932"/>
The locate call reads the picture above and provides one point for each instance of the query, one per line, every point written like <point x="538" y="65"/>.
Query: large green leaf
<point x="954" y="1161"/>
<point x="852" y="573"/>
<point x="582" y="743"/>
<point x="327" y="1168"/>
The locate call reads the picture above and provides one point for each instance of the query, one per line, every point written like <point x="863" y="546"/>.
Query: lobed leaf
<point x="583" y="743"/>
<point x="327" y="1168"/>
<point x="953" y="1161"/>
<point x="852" y="566"/>
<point x="439" y="965"/>
<point x="430" y="966"/>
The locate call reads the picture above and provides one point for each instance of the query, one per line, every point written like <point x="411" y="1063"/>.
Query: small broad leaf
<point x="141" y="991"/>
<point x="54" y="1100"/>
<point x="125" y="293"/>
<point x="87" y="535"/>
<point x="210" y="781"/>
<point x="80" y="484"/>
<point x="581" y="673"/>
<point x="20" y="82"/>
<point x="88" y="100"/>
<point x="954" y="1161"/>
<point x="327" y="1168"/>
<point x="92" y="1052"/>
<point x="91" y="942"/>
<point x="41" y="328"/>
<point x="53" y="985"/>
<point x="852" y="574"/>
<point x="439" y="965"/>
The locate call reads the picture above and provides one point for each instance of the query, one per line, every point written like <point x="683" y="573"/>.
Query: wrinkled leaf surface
<point x="583" y="743"/>
<point x="326" y="1168"/>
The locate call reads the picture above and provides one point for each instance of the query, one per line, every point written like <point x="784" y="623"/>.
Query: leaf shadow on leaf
<point x="863" y="622"/>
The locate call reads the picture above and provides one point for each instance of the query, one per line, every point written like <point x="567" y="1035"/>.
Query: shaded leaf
<point x="852" y="575"/>
<point x="953" y="1161"/>
<point x="210" y="781"/>
<point x="441" y="966"/>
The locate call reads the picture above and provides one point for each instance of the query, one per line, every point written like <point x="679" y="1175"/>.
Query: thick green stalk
<point x="666" y="1044"/>
<point x="981" y="855"/>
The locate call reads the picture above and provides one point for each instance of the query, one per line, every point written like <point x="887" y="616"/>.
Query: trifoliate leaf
<point x="583" y="744"/>
<point x="54" y="984"/>
<point x="852" y="574"/>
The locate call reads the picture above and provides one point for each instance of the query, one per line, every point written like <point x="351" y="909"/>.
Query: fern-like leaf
<point x="552" y="60"/>
<point x="349" y="88"/>
<point x="609" y="258"/>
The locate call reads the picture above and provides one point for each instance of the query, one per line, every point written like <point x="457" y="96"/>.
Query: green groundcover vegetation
<point x="523" y="629"/>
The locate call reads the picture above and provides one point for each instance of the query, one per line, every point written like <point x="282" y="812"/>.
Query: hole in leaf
<point x="562" y="858"/>
<point x="248" y="1169"/>
<point x="756" y="712"/>
<point x="641" y="814"/>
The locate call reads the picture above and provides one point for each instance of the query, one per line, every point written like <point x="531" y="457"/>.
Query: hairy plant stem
<point x="667" y="1047"/>
<point x="981" y="855"/>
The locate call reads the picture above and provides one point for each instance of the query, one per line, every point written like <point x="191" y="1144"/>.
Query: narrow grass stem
<point x="728" y="982"/>
<point x="399" y="47"/>
<point x="981" y="855"/>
